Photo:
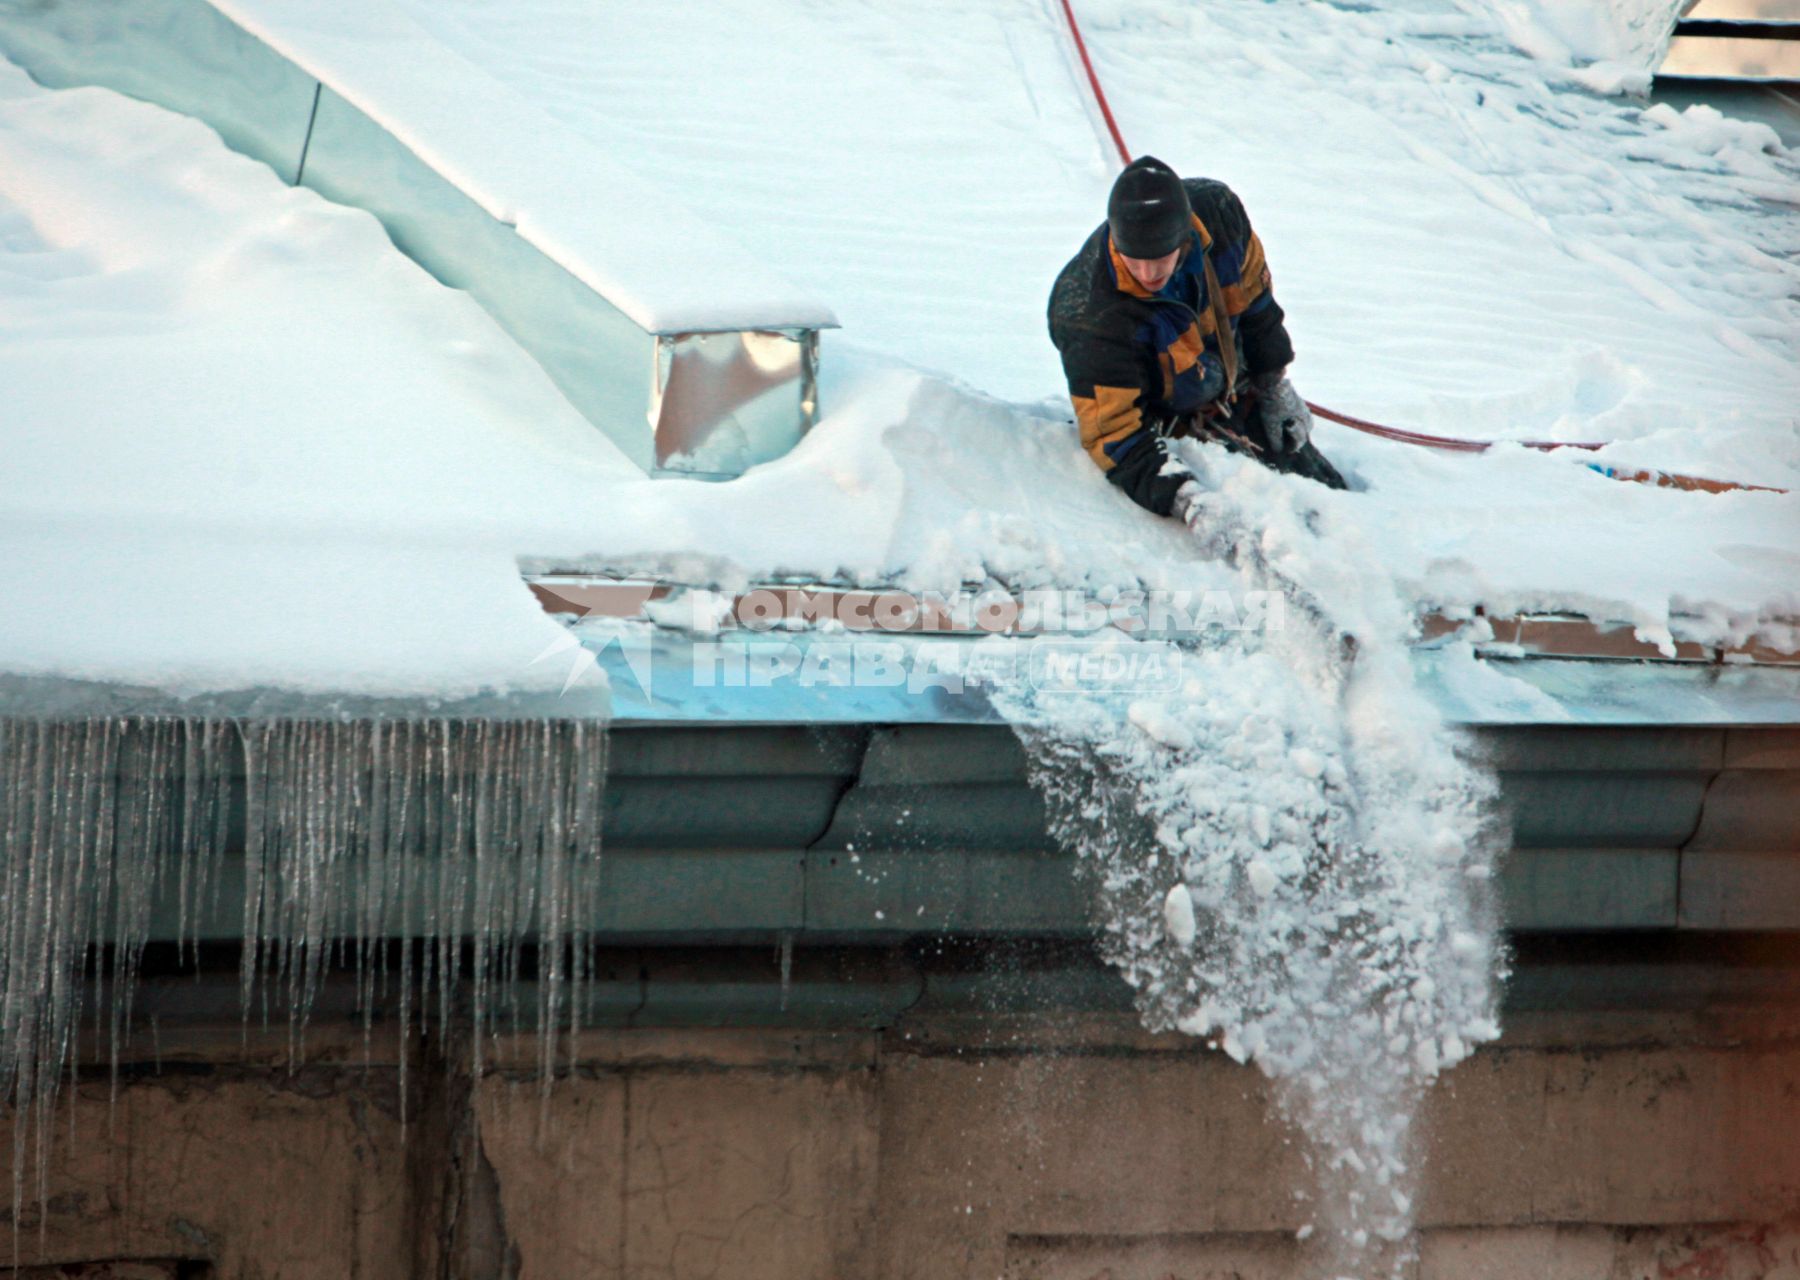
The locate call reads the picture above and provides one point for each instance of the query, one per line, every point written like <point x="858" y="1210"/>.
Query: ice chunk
<point x="1178" y="916"/>
<point x="1155" y="719"/>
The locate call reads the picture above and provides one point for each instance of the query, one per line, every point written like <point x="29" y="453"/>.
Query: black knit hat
<point x="1148" y="210"/>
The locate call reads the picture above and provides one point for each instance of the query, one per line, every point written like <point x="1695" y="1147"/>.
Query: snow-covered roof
<point x="269" y="450"/>
<point x="636" y="241"/>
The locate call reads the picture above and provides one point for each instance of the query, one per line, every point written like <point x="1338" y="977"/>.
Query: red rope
<point x="1094" y="82"/>
<point x="1661" y="479"/>
<point x="1441" y="442"/>
<point x="1666" y="479"/>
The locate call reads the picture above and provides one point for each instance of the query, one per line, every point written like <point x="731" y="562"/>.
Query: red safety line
<point x="1667" y="479"/>
<point x="1662" y="479"/>
<point x="1442" y="442"/>
<point x="1094" y="83"/>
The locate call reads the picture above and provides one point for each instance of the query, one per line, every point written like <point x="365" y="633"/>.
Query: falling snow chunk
<point x="1262" y="877"/>
<point x="1310" y="763"/>
<point x="1156" y="720"/>
<point x="1481" y="1031"/>
<point x="1178" y="916"/>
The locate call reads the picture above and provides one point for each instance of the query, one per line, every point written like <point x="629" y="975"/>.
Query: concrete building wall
<point x="260" y="1175"/>
<point x="1033" y="1149"/>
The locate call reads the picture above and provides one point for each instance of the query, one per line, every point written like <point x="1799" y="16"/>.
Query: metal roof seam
<point x="811" y="846"/>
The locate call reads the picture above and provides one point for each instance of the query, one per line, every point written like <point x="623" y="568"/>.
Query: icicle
<point x="359" y="840"/>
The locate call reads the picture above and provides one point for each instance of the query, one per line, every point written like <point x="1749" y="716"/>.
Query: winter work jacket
<point x="1136" y="361"/>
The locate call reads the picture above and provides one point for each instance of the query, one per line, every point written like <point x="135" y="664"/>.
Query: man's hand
<point x="1189" y="505"/>
<point x="1282" y="414"/>
<point x="1167" y="487"/>
<point x="1149" y="476"/>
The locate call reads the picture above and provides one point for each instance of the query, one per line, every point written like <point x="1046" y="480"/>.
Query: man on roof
<point x="1168" y="326"/>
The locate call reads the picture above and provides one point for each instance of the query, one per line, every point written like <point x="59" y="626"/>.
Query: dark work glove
<point x="1285" y="420"/>
<point x="1140" y="473"/>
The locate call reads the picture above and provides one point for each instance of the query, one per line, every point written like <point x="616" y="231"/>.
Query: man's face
<point x="1152" y="273"/>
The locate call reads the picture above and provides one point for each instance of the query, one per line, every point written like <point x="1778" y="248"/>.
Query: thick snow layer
<point x="245" y="440"/>
<point x="634" y="242"/>
<point x="1465" y="241"/>
<point x="1463" y="245"/>
<point x="925" y="168"/>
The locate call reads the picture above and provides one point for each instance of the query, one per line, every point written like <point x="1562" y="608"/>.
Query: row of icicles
<point x="334" y="837"/>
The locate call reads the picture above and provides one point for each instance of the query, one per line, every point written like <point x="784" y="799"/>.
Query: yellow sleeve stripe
<point x="1107" y="416"/>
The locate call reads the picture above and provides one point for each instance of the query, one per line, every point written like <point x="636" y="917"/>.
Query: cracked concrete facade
<point x="1580" y="1148"/>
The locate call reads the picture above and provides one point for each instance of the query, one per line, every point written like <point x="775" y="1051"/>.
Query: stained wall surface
<point x="1581" y="1146"/>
